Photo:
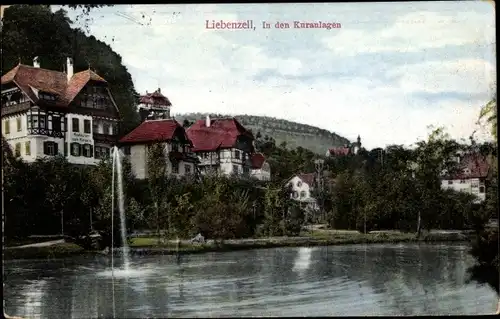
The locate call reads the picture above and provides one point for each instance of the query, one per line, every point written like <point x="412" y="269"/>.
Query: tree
<point x="157" y="173"/>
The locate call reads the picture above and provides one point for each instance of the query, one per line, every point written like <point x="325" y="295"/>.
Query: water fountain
<point x="117" y="164"/>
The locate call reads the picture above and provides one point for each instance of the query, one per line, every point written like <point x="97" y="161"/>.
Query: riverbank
<point x="151" y="245"/>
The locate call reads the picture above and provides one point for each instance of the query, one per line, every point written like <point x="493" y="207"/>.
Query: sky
<point x="389" y="72"/>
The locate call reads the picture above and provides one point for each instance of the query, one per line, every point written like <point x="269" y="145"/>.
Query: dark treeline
<point x="23" y="39"/>
<point x="399" y="190"/>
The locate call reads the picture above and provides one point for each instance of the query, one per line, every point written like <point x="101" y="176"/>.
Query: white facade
<point x="78" y="142"/>
<point x="471" y="185"/>
<point x="301" y="192"/>
<point x="230" y="161"/>
<point x="139" y="163"/>
<point x="263" y="173"/>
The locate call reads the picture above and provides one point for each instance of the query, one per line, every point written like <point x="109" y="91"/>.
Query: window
<point x="235" y="169"/>
<point x="75" y="124"/>
<point x="86" y="126"/>
<point x="42" y="121"/>
<point x="75" y="149"/>
<point x="34" y="121"/>
<point x="302" y="194"/>
<point x="50" y="148"/>
<point x="175" y="168"/>
<point x="19" y="126"/>
<point x="126" y="150"/>
<point x="295" y="194"/>
<point x="28" y="121"/>
<point x="462" y="181"/>
<point x="17" y="152"/>
<point x="95" y="126"/>
<point x="7" y="127"/>
<point x="237" y="154"/>
<point x="481" y="189"/>
<point x="175" y="147"/>
<point x="87" y="150"/>
<point x="246" y="170"/>
<point x="27" y="147"/>
<point x="299" y="184"/>
<point x="187" y="169"/>
<point x="105" y="128"/>
<point x="56" y="123"/>
<point x="450" y="182"/>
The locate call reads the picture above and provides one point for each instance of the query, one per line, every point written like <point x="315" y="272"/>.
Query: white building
<point x="302" y="186"/>
<point x="261" y="169"/>
<point x="179" y="158"/>
<point x="224" y="146"/>
<point x="474" y="170"/>
<point x="46" y="113"/>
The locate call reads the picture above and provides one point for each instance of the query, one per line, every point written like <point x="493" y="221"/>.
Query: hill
<point x="294" y="134"/>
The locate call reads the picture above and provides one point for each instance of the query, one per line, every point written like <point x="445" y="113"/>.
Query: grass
<point x="151" y="245"/>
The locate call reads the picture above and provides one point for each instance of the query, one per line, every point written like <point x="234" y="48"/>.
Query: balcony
<point x="15" y="108"/>
<point x="105" y="138"/>
<point x="209" y="161"/>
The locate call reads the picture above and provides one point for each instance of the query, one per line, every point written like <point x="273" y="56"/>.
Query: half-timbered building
<point x="46" y="113"/>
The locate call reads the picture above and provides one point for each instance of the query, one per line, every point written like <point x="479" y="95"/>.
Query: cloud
<point x="392" y="70"/>
<point x="471" y="76"/>
<point x="415" y="32"/>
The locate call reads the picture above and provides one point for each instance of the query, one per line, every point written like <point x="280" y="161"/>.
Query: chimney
<point x="36" y="62"/>
<point x="69" y="68"/>
<point x="159" y="90"/>
<point x="207" y="121"/>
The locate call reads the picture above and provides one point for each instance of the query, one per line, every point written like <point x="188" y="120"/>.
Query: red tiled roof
<point x="222" y="133"/>
<point x="258" y="160"/>
<point x="155" y="98"/>
<point x="152" y="131"/>
<point x="29" y="78"/>
<point x="308" y="178"/>
<point x="339" y="151"/>
<point x="477" y="164"/>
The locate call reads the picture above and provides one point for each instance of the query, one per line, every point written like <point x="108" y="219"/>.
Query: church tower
<point x="357" y="145"/>
<point x="154" y="106"/>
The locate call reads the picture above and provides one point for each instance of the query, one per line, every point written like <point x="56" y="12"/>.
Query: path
<point x="43" y="244"/>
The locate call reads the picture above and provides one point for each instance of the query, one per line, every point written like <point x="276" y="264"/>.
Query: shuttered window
<point x="50" y="148"/>
<point x="76" y="149"/>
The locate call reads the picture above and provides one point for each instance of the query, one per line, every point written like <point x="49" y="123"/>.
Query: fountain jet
<point x="117" y="164"/>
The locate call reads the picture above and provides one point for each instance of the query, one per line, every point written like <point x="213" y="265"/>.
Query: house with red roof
<point x="46" y="113"/>
<point x="347" y="149"/>
<point x="154" y="106"/>
<point x="224" y="146"/>
<point x="471" y="177"/>
<point x="179" y="157"/>
<point x="302" y="186"/>
<point x="260" y="167"/>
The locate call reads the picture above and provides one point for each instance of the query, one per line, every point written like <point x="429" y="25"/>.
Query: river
<point x="354" y="280"/>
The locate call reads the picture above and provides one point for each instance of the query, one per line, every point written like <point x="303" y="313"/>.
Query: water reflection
<point x="344" y="280"/>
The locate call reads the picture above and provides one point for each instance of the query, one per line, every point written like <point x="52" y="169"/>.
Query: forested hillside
<point x="294" y="134"/>
<point x="23" y="39"/>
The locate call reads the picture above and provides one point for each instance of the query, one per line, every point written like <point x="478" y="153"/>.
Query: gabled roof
<point x="477" y="165"/>
<point x="152" y="131"/>
<point x="308" y="178"/>
<point x="155" y="98"/>
<point x="258" y="160"/>
<point x="30" y="79"/>
<point x="339" y="151"/>
<point x="222" y="133"/>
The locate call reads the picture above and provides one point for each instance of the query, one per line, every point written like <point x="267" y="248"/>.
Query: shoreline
<point x="143" y="248"/>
